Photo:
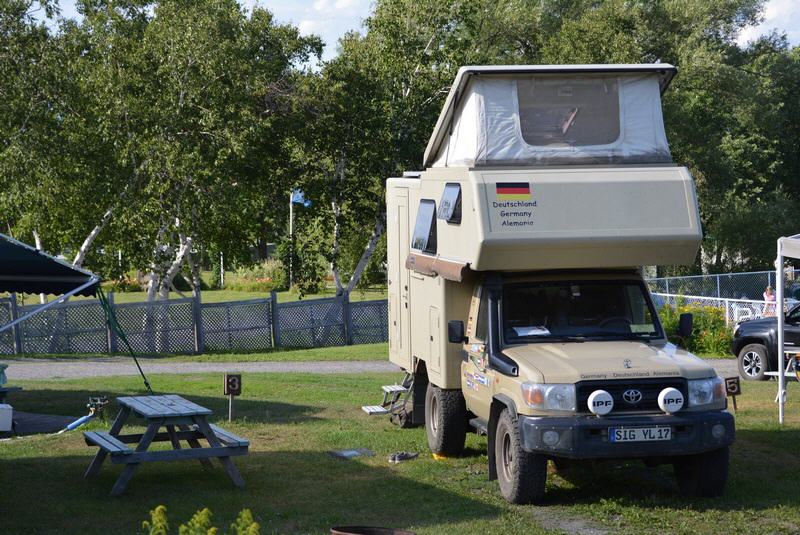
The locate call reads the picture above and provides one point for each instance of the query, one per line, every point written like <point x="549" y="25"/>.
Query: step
<point x="374" y="410"/>
<point x="392" y="389"/>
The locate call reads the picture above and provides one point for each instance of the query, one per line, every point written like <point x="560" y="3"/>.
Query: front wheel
<point x="753" y="362"/>
<point x="521" y="474"/>
<point x="445" y="420"/>
<point x="704" y="474"/>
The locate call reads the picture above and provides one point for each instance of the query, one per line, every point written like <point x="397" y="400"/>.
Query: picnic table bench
<point x="182" y="420"/>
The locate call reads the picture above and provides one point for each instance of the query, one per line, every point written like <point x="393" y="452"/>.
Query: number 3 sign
<point x="233" y="384"/>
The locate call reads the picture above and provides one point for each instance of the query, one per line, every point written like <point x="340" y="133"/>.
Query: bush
<point x="710" y="334"/>
<point x="262" y="277"/>
<point x="199" y="524"/>
<point x="123" y="285"/>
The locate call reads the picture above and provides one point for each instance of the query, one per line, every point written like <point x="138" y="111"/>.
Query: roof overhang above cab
<point x="24" y="269"/>
<point x="664" y="71"/>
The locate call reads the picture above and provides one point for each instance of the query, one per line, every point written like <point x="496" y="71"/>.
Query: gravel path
<point x="54" y="369"/>
<point x="59" y="369"/>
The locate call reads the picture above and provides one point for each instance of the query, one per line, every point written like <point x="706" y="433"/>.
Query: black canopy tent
<point x="26" y="269"/>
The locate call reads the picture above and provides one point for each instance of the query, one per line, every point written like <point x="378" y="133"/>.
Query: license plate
<point x="639" y="434"/>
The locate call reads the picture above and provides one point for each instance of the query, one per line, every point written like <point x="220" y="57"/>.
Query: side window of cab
<point x="481" y="324"/>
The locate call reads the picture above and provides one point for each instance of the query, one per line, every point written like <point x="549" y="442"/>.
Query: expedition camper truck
<point x="516" y="303"/>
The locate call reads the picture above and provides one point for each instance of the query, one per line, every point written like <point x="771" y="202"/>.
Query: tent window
<point x="574" y="112"/>
<point x="424" y="238"/>
<point x="450" y="205"/>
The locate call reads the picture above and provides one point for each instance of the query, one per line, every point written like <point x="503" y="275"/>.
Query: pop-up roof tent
<point x="25" y="269"/>
<point x="787" y="247"/>
<point x="550" y="115"/>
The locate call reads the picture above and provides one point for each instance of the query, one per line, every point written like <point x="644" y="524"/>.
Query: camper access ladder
<point x="394" y="398"/>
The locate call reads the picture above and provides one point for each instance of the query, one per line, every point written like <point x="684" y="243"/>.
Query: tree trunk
<point x="174" y="268"/>
<point x="371" y="244"/>
<point x="38" y="241"/>
<point x="337" y="278"/>
<point x="81" y="256"/>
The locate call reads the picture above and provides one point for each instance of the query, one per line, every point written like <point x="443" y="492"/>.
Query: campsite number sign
<point x="233" y="384"/>
<point x="231" y="387"/>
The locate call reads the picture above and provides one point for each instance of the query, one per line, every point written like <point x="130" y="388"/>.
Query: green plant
<point x="261" y="277"/>
<point x="710" y="334"/>
<point x="122" y="285"/>
<point x="200" y="523"/>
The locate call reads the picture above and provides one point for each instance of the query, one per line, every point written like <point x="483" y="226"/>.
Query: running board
<point x="480" y="426"/>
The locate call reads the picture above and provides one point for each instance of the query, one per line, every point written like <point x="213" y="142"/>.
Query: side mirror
<point x="455" y="332"/>
<point x="685" y="325"/>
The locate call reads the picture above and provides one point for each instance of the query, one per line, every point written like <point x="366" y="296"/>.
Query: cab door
<point x="477" y="380"/>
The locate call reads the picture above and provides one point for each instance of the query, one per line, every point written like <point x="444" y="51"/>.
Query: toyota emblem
<point x="632" y="396"/>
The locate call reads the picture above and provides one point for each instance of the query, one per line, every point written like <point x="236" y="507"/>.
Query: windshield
<point x="547" y="311"/>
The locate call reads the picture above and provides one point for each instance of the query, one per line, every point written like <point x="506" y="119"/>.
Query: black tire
<point x="445" y="420"/>
<point x="704" y="474"/>
<point x="521" y="474"/>
<point x="753" y="362"/>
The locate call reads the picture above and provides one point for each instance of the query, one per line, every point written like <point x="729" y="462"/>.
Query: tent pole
<point x="44" y="307"/>
<point x="779" y="314"/>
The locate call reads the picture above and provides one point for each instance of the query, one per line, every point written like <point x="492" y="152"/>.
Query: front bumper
<point x="586" y="437"/>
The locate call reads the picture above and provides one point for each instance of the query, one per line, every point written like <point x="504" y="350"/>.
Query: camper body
<point x="516" y="303"/>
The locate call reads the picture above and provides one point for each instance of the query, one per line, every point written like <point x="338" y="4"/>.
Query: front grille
<point x="650" y="389"/>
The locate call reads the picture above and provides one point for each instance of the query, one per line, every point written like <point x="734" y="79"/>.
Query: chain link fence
<point x="749" y="285"/>
<point x="190" y="326"/>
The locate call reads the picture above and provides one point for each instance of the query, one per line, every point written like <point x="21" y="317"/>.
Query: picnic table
<point x="182" y="420"/>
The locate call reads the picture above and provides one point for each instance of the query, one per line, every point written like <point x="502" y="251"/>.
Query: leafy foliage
<point x="710" y="335"/>
<point x="200" y="524"/>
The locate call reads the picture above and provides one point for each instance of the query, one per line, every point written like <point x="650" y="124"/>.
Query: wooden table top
<point x="166" y="406"/>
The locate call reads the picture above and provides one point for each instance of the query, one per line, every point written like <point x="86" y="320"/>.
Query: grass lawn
<point x="354" y="352"/>
<point x="293" y="485"/>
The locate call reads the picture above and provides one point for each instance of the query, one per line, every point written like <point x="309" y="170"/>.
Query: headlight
<point x="706" y="391"/>
<point x="549" y="397"/>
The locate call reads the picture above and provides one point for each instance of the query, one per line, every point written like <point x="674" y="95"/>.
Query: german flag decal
<point x="513" y="191"/>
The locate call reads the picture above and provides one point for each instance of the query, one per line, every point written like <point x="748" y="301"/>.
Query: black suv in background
<point x="755" y="344"/>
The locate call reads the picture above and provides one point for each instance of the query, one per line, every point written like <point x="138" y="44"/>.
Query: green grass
<point x="350" y="353"/>
<point x="293" y="485"/>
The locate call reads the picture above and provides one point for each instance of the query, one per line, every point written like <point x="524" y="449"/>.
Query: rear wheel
<point x="521" y="474"/>
<point x="704" y="474"/>
<point x="753" y="362"/>
<point x="445" y="420"/>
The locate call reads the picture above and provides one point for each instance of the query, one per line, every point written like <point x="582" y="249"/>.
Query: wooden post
<point x="113" y="343"/>
<point x="347" y="316"/>
<point x="276" y="326"/>
<point x="15" y="330"/>
<point x="197" y="324"/>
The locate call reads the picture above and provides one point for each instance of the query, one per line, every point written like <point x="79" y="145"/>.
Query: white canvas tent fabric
<point x="787" y="247"/>
<point x="491" y="117"/>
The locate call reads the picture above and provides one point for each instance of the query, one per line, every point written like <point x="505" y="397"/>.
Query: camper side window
<point x="450" y="205"/>
<point x="424" y="238"/>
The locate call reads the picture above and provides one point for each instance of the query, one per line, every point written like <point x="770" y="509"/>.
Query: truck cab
<point x="516" y="303"/>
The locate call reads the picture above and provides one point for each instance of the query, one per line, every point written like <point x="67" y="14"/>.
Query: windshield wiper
<point x="554" y="338"/>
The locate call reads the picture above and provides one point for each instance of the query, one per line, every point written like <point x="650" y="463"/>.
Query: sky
<point x="330" y="19"/>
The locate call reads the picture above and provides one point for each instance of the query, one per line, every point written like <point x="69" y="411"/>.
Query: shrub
<point x="261" y="277"/>
<point x="200" y="524"/>
<point x="710" y="334"/>
<point x="122" y="285"/>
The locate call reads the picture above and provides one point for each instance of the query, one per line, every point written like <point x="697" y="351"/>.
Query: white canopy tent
<point x="787" y="247"/>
